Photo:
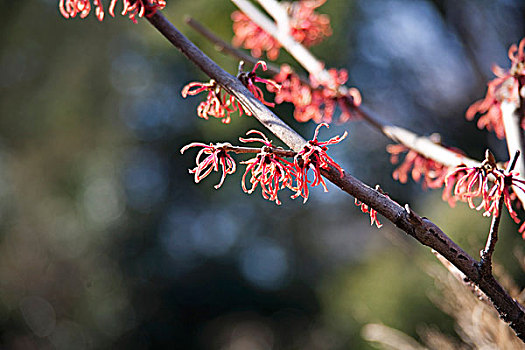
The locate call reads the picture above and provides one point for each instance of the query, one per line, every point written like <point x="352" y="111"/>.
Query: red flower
<point x="249" y="80"/>
<point x="488" y="183"/>
<point x="373" y="214"/>
<point x="319" y="101"/>
<point x="432" y="172"/>
<point x="503" y="88"/>
<point x="218" y="104"/>
<point x="473" y="183"/>
<point x="138" y="8"/>
<point x="132" y="8"/>
<point x="313" y="156"/>
<point x="217" y="155"/>
<point x="267" y="169"/>
<point x="306" y="27"/>
<point x="70" y="8"/>
<point x="252" y="37"/>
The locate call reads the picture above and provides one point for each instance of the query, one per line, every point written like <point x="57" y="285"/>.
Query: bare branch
<point x="421" y="145"/>
<point x="486" y="254"/>
<point x="426" y="232"/>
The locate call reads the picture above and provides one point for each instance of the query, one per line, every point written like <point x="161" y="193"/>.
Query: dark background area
<point x="106" y="241"/>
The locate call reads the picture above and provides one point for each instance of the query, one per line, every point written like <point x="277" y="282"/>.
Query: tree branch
<point x="426" y="232"/>
<point x="486" y="254"/>
<point x="420" y="144"/>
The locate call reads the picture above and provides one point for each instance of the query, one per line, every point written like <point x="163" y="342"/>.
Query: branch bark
<point x="423" y="230"/>
<point x="422" y="145"/>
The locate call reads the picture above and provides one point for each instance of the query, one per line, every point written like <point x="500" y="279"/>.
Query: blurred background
<point x="106" y="241"/>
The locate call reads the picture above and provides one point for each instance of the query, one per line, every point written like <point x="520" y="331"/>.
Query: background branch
<point x="426" y="232"/>
<point x="420" y="144"/>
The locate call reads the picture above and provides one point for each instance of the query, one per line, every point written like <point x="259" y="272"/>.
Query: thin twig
<point x="423" y="230"/>
<point x="485" y="263"/>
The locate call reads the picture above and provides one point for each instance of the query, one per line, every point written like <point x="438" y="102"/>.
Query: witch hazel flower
<point x="317" y="101"/>
<point x="131" y="8"/>
<point x="313" y="156"/>
<point x="250" y="78"/>
<point x="217" y="156"/>
<point x="365" y="208"/>
<point x="306" y="27"/>
<point x="252" y="37"/>
<point x="429" y="172"/>
<point x="267" y="169"/>
<point x="371" y="211"/>
<point x="418" y="166"/>
<point x="489" y="183"/>
<point x="218" y="103"/>
<point x="507" y="86"/>
<point x="72" y="8"/>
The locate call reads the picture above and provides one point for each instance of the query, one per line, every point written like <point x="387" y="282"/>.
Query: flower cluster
<point x="218" y="104"/>
<point x="432" y="174"/>
<point x="217" y="155"/>
<point x="313" y="156"/>
<point x="306" y="27"/>
<point x="507" y="86"/>
<point x="269" y="169"/>
<point x="488" y="184"/>
<point x="317" y="101"/>
<point x="252" y="37"/>
<point x="130" y="8"/>
<point x="249" y="79"/>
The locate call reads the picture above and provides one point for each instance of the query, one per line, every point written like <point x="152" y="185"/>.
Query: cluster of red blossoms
<point x="432" y="173"/>
<point x="220" y="104"/>
<point x="486" y="183"/>
<point x="269" y="168"/>
<point x="130" y="8"/>
<point x="508" y="86"/>
<point x="489" y="184"/>
<point x="306" y="27"/>
<point x="317" y="101"/>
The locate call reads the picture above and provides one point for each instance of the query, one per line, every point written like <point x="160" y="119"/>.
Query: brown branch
<point x="485" y="263"/>
<point x="251" y="150"/>
<point x="423" y="230"/>
<point x="420" y="144"/>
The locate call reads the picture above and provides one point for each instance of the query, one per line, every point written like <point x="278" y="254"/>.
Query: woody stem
<point x="423" y="230"/>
